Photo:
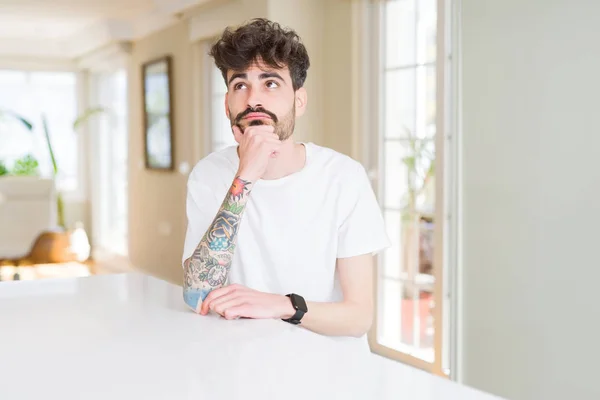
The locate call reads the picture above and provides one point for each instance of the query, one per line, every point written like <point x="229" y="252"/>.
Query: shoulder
<point x="214" y="165"/>
<point x="336" y="163"/>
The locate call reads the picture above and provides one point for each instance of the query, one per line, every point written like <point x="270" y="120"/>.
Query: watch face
<point x="299" y="303"/>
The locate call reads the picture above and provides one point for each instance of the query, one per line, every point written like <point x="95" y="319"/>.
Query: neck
<point x="291" y="159"/>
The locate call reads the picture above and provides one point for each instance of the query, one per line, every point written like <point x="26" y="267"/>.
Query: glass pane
<point x="53" y="79"/>
<point x="12" y="78"/>
<point x="31" y="95"/>
<point x="221" y="127"/>
<point x="400" y="103"/>
<point x="217" y="82"/>
<point x="392" y="255"/>
<point x="426" y="102"/>
<point x="400" y="33"/>
<point x="406" y="317"/>
<point x="395" y="173"/>
<point x="410" y="32"/>
<point x="111" y="143"/>
<point x="389" y="313"/>
<point x="426" y="31"/>
<point x="406" y="281"/>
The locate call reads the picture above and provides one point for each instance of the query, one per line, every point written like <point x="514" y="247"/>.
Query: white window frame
<point x="446" y="209"/>
<point x="110" y="59"/>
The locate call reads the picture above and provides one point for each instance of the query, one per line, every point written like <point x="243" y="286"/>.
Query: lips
<point x="253" y="116"/>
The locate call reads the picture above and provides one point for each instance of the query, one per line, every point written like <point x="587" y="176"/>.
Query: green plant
<point x="28" y="163"/>
<point x="420" y="171"/>
<point x="3" y="169"/>
<point x="26" y="166"/>
<point x="6" y="114"/>
<point x="80" y="120"/>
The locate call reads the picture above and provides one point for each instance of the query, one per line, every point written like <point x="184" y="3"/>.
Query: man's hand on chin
<point x="237" y="301"/>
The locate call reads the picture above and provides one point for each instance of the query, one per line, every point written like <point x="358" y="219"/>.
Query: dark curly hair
<point x="265" y="40"/>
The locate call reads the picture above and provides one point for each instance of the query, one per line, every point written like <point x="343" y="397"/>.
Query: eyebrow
<point x="241" y="75"/>
<point x="264" y="75"/>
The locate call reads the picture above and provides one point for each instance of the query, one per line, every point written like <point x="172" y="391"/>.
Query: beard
<point x="284" y="127"/>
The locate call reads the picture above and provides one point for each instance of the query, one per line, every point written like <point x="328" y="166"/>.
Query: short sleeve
<point x="201" y="207"/>
<point x="362" y="230"/>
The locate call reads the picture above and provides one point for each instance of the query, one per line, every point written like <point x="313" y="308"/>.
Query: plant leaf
<point x="28" y="125"/>
<point x="49" y="144"/>
<point x="87" y="114"/>
<point x="26" y="166"/>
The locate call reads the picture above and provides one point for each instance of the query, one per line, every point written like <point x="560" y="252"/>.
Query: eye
<point x="272" y="84"/>
<point x="239" y="85"/>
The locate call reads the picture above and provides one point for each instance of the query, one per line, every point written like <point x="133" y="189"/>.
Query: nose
<point x="254" y="99"/>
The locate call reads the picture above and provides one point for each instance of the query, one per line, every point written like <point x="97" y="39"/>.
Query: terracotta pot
<point x="59" y="247"/>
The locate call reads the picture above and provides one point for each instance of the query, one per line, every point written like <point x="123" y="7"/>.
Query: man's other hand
<point x="237" y="301"/>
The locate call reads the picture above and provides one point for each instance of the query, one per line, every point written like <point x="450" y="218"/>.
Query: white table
<point x="130" y="336"/>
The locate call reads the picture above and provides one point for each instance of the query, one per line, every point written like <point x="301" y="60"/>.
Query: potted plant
<point x="61" y="244"/>
<point x="420" y="172"/>
<point x="79" y="121"/>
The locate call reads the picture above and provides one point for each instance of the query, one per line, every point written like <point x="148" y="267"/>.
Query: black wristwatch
<point x="299" y="305"/>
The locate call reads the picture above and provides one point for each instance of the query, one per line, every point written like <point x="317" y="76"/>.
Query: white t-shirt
<point x="294" y="228"/>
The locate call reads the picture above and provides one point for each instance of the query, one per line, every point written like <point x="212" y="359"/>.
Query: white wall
<point x="531" y="139"/>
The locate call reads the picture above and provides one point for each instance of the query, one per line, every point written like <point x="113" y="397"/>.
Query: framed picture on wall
<point x="158" y="114"/>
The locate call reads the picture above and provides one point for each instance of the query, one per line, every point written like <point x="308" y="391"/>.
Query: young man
<point x="290" y="227"/>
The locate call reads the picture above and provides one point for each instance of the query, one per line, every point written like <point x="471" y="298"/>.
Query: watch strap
<point x="297" y="317"/>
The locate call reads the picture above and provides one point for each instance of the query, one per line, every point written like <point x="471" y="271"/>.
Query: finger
<point x="214" y="294"/>
<point x="223" y="299"/>
<point x="260" y="130"/>
<point x="240" y="311"/>
<point x="218" y="293"/>
<point x="222" y="307"/>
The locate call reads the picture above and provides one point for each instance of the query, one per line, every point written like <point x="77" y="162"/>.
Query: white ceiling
<point x="62" y="18"/>
<point x="69" y="28"/>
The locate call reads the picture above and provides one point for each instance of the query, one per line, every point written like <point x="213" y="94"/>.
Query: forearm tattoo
<point x="208" y="267"/>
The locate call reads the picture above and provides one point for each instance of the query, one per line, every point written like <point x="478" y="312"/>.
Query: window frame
<point x="446" y="234"/>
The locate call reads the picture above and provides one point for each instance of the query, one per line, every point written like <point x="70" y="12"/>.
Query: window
<point x="409" y="325"/>
<point x="31" y="95"/>
<point x="110" y="161"/>
<point x="220" y="127"/>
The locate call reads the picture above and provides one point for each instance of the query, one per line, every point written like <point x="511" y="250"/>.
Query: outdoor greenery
<point x="28" y="165"/>
<point x="3" y="169"/>
<point x="25" y="166"/>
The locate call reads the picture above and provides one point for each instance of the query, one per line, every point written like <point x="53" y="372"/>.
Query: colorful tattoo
<point x="239" y="188"/>
<point x="208" y="267"/>
<point x="223" y="230"/>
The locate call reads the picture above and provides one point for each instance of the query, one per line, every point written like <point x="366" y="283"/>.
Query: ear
<point x="301" y="100"/>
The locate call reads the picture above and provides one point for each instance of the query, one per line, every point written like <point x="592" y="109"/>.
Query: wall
<point x="531" y="185"/>
<point x="338" y="70"/>
<point x="210" y="21"/>
<point x="157" y="219"/>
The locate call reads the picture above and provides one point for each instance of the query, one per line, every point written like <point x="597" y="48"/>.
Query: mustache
<point x="250" y="110"/>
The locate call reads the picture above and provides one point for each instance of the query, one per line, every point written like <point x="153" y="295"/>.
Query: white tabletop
<point x="130" y="336"/>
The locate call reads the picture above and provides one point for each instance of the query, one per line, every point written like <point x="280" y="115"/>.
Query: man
<point x="291" y="227"/>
